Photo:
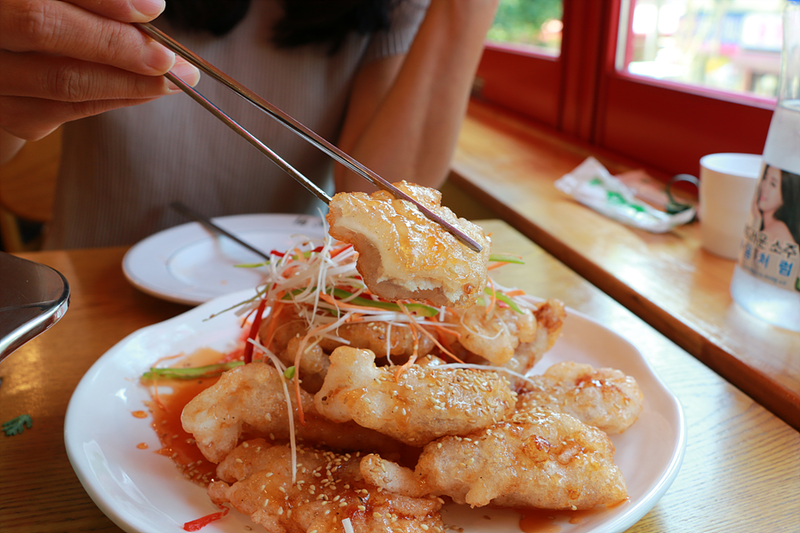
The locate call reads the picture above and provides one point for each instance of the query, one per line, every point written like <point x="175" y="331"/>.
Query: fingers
<point x="71" y="80"/>
<point x="123" y="10"/>
<point x="57" y="27"/>
<point x="33" y="118"/>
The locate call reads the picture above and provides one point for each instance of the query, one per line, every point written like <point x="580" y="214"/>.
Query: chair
<point x="27" y="190"/>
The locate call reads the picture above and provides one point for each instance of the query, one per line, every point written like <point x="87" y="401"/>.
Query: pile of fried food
<point x="362" y="408"/>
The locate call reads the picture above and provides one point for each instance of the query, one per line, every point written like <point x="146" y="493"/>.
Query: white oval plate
<point x="188" y="265"/>
<point x="143" y="492"/>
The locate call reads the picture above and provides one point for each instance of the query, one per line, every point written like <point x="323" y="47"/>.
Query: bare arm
<point x="61" y="61"/>
<point x="405" y="112"/>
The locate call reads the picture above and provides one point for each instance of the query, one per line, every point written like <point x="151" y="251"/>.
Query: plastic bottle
<point x="765" y="281"/>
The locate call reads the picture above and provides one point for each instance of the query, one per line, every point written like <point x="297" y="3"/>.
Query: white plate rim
<point x="76" y="438"/>
<point x="146" y="264"/>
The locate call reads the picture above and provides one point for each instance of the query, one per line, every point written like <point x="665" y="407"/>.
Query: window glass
<point x="534" y="24"/>
<point x="730" y="45"/>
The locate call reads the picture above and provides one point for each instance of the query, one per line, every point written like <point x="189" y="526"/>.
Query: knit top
<point x="120" y="170"/>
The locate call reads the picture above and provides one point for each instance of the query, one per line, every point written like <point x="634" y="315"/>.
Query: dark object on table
<point x="33" y="297"/>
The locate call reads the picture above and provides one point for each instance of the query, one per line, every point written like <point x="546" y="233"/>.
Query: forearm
<point x="9" y="146"/>
<point x="413" y="131"/>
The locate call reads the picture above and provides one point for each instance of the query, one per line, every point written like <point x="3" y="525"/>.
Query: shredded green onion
<point x="289" y="373"/>
<point x="198" y="372"/>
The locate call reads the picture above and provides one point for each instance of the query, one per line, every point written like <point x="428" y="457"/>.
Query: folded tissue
<point x="592" y="185"/>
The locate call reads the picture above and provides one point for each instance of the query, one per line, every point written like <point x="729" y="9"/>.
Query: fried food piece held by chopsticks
<point x="403" y="254"/>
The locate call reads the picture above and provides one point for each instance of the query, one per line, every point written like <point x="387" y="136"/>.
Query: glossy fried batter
<point x="257" y="481"/>
<point x="550" y="316"/>
<point x="494" y="336"/>
<point x="535" y="459"/>
<point x="405" y="255"/>
<point x="250" y="400"/>
<point x="377" y="337"/>
<point x="398" y="341"/>
<point x="604" y="398"/>
<point x="423" y="403"/>
<point x="507" y="338"/>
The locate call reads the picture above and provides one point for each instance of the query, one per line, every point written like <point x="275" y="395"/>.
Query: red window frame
<point x="665" y="126"/>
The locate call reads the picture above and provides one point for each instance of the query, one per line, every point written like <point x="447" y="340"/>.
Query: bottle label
<point x="770" y="250"/>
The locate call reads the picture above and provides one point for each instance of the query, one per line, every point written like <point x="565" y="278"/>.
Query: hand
<point x="62" y="61"/>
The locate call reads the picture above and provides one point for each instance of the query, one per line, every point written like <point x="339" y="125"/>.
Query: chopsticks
<point x="214" y="228"/>
<point x="291" y="123"/>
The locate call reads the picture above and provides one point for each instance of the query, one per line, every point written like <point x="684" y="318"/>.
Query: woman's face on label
<point x="770" y="198"/>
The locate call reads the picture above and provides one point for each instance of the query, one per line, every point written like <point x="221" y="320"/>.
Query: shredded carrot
<point x="340" y="249"/>
<point x="515" y="292"/>
<point x="493" y="301"/>
<point x="273" y="323"/>
<point x="300" y="350"/>
<point x="447" y="347"/>
<point x="401" y="369"/>
<point x="443" y="330"/>
<point x="497" y="265"/>
<point x="417" y="328"/>
<point x="344" y="305"/>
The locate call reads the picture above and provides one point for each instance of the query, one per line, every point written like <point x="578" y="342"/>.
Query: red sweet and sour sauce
<point x="176" y="443"/>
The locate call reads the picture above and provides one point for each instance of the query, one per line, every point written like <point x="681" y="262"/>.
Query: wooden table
<point x="510" y="166"/>
<point x="741" y="471"/>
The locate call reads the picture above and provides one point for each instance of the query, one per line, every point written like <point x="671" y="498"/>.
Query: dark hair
<point x="304" y="22"/>
<point x="789" y="211"/>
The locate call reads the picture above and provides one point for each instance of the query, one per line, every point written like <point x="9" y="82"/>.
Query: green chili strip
<point x="504" y="298"/>
<point x="208" y="371"/>
<point x="424" y="310"/>
<point x="506" y="258"/>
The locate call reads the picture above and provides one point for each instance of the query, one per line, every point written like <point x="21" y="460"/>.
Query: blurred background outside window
<point x="529" y="24"/>
<point x="728" y="45"/>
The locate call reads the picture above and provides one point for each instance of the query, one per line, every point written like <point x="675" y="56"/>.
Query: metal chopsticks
<point x="214" y="228"/>
<point x="291" y="123"/>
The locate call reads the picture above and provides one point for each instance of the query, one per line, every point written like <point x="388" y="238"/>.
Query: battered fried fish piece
<point x="535" y="459"/>
<point x="381" y="337"/>
<point x="257" y="481"/>
<point x="421" y="404"/>
<point x="250" y="400"/>
<point x="394" y="341"/>
<point x="604" y="398"/>
<point x="550" y="316"/>
<point x="404" y="255"/>
<point x="494" y="336"/>
<point x="507" y="338"/>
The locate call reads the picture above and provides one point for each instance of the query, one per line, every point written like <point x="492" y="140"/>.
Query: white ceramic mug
<point x="727" y="184"/>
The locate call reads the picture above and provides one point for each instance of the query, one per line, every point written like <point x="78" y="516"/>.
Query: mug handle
<point x="673" y="206"/>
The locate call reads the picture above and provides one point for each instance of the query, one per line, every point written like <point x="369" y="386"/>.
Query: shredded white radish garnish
<point x="282" y="369"/>
<point x="348" y="526"/>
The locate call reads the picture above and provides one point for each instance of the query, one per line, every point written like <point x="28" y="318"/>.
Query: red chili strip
<point x="248" y="347"/>
<point x="200" y="523"/>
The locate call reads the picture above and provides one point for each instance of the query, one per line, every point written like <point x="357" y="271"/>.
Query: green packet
<point x="592" y="185"/>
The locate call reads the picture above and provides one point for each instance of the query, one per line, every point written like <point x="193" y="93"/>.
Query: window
<point x="534" y="25"/>
<point x="521" y="67"/>
<point x="730" y="46"/>
<point x="662" y="82"/>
